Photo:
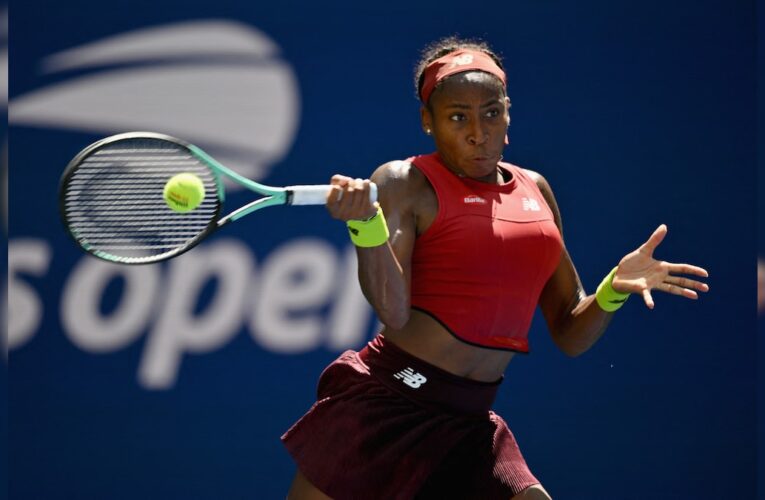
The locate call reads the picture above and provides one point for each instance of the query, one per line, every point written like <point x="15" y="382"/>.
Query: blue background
<point x="761" y="249"/>
<point x="637" y="113"/>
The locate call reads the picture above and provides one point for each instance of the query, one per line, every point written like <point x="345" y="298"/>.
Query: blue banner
<point x="176" y="380"/>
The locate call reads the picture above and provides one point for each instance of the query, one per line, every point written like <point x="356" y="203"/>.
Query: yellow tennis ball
<point x="184" y="192"/>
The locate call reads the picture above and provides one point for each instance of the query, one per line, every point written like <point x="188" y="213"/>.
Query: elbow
<point x="569" y="348"/>
<point x="572" y="352"/>
<point x="393" y="310"/>
<point x="395" y="319"/>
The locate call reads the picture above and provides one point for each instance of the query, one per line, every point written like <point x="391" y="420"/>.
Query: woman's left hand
<point x="639" y="272"/>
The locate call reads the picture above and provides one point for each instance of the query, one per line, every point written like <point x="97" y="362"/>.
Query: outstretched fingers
<point x="656" y="238"/>
<point x="641" y="272"/>
<point x="687" y="269"/>
<point x="688" y="283"/>
<point x="680" y="285"/>
<point x="647" y="298"/>
<point x="677" y="290"/>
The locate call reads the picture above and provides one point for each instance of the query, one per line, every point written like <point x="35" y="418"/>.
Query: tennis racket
<point x="111" y="197"/>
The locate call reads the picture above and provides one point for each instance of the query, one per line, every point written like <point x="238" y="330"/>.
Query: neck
<point x="495" y="177"/>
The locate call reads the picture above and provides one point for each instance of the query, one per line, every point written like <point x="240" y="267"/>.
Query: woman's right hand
<point x="349" y="198"/>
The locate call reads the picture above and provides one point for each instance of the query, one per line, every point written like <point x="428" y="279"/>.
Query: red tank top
<point x="481" y="265"/>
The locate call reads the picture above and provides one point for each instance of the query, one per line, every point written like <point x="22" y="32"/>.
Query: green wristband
<point x="609" y="299"/>
<point x="372" y="232"/>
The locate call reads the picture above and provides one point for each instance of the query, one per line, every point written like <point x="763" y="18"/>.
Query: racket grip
<point x="317" y="194"/>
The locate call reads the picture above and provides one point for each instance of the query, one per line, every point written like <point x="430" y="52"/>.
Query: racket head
<point x="111" y="198"/>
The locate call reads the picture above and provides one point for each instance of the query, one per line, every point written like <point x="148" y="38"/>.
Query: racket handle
<point x="317" y="194"/>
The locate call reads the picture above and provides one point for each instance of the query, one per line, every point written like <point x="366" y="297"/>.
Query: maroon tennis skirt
<point x="389" y="425"/>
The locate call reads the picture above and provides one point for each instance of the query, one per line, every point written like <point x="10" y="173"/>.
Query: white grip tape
<point x="317" y="194"/>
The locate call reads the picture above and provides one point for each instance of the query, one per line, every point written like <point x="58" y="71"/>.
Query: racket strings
<point x="114" y="204"/>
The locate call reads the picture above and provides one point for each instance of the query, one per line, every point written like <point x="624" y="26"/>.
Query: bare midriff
<point x="427" y="339"/>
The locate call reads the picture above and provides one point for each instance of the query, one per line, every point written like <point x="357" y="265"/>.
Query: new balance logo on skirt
<point x="411" y="378"/>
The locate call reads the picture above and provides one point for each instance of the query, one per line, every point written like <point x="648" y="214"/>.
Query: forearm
<point x="384" y="241"/>
<point x="384" y="284"/>
<point x="576" y="321"/>
<point x="578" y="330"/>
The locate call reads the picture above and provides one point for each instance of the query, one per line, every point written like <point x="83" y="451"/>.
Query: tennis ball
<point x="184" y="192"/>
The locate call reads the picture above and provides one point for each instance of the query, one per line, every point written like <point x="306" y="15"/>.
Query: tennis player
<point x="455" y="258"/>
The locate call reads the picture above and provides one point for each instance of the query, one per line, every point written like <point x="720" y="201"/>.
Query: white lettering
<point x="296" y="281"/>
<point x="81" y="315"/>
<point x="306" y="296"/>
<point x="25" y="309"/>
<point x="178" y="330"/>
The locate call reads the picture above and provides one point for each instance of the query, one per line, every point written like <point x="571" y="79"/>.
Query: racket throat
<point x="276" y="199"/>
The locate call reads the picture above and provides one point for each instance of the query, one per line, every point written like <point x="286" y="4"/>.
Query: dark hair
<point x="445" y="46"/>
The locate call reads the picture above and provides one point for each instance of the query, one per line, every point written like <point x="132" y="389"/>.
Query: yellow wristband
<point x="372" y="232"/>
<point x="609" y="299"/>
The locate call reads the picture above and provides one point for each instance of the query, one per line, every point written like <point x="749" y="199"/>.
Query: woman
<point x="470" y="247"/>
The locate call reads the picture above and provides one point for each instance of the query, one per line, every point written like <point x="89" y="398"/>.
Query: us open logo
<point x="224" y="87"/>
<point x="221" y="85"/>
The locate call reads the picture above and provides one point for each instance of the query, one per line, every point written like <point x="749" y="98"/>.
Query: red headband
<point x="458" y="61"/>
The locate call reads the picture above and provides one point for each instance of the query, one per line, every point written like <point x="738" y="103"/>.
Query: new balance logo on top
<point x="530" y="204"/>
<point x="474" y="199"/>
<point x="411" y="378"/>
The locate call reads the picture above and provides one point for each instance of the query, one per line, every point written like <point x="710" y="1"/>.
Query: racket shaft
<point x="317" y="194"/>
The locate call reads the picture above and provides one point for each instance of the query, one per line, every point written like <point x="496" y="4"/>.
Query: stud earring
<point x="427" y="131"/>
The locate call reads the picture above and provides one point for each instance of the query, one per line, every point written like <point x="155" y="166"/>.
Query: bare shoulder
<point x="401" y="181"/>
<point x="397" y="174"/>
<point x="404" y="190"/>
<point x="539" y="179"/>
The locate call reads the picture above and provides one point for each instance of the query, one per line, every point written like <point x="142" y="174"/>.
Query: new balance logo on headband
<point x="411" y="378"/>
<point x="462" y="60"/>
